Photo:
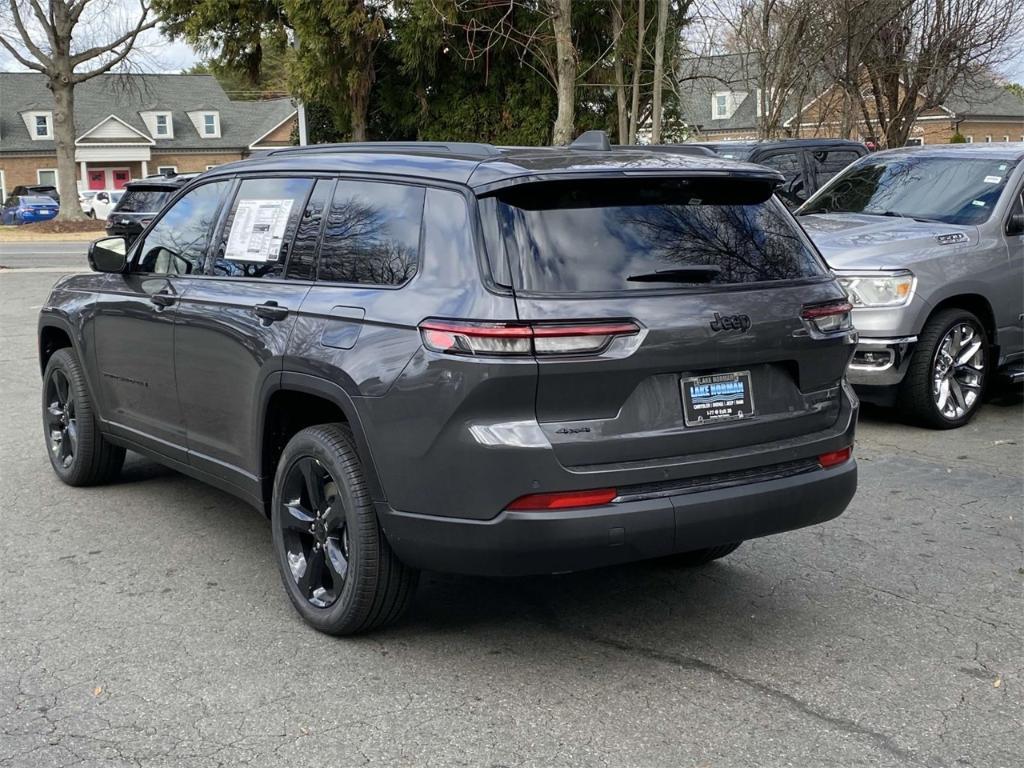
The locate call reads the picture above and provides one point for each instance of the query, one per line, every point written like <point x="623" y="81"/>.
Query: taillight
<point x="835" y="458"/>
<point x="564" y="499"/>
<point x="471" y="338"/>
<point x="829" y="318"/>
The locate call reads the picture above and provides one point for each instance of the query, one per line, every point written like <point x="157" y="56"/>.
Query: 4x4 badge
<point x="730" y="323"/>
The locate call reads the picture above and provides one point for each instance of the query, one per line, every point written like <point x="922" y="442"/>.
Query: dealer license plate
<point x="717" y="397"/>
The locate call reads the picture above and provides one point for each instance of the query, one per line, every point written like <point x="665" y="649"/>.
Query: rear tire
<point x="335" y="562"/>
<point x="703" y="556"/>
<point x="939" y="391"/>
<point x="78" y="452"/>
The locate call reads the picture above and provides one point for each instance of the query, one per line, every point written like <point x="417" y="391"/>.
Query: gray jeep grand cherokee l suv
<point x="929" y="242"/>
<point x="467" y="359"/>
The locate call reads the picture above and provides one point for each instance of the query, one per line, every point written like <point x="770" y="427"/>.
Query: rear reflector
<point x="564" y="500"/>
<point x="828" y="318"/>
<point x="470" y="338"/>
<point x="835" y="458"/>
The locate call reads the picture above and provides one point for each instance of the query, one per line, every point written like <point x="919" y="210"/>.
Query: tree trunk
<point x="64" y="140"/>
<point x="359" y="104"/>
<point x="620" y="75"/>
<point x="638" y="63"/>
<point x="659" y="71"/>
<point x="565" y="65"/>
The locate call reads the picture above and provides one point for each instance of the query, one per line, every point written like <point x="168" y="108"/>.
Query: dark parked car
<point x="36" y="190"/>
<point x="806" y="164"/>
<point x="27" y="209"/>
<point x="460" y="358"/>
<point x="141" y="202"/>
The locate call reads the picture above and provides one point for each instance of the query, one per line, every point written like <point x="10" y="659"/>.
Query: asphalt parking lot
<point x="143" y="624"/>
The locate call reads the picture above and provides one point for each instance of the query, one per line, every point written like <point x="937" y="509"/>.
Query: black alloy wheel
<point x="314" y="532"/>
<point x="61" y="419"/>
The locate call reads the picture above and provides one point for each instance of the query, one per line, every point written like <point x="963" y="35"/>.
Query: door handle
<point x="163" y="299"/>
<point x="270" y="311"/>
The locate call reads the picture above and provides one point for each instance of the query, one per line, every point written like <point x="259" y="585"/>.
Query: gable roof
<point x="125" y="96"/>
<point x="113" y="130"/>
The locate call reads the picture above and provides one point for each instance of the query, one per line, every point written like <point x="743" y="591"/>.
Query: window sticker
<point x="979" y="203"/>
<point x="993" y="179"/>
<point x="257" y="230"/>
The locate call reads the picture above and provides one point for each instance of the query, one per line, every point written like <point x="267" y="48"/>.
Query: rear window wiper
<point x="693" y="273"/>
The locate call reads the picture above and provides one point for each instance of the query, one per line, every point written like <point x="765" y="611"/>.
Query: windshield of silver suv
<point x="953" y="190"/>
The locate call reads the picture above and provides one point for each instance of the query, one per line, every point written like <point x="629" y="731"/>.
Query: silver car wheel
<point x="958" y="371"/>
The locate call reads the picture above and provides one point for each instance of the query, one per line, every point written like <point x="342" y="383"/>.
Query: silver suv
<point x="929" y="244"/>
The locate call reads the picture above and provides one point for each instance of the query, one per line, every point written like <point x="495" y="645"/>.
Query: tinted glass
<point x="372" y="234"/>
<point x="259" y="227"/>
<point x="143" y="200"/>
<point x="829" y="162"/>
<point x="793" y="190"/>
<point x="953" y="190"/>
<point x="178" y="242"/>
<point x="38" y="201"/>
<point x="598" y="236"/>
<point x="302" y="262"/>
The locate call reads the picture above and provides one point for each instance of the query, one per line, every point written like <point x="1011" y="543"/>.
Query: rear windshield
<point x="612" y="236"/>
<point x="37" y="200"/>
<point x="143" y="200"/>
<point x="953" y="190"/>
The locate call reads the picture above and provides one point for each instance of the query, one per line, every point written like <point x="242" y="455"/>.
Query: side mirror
<point x="108" y="254"/>
<point x="102" y="197"/>
<point x="1015" y="224"/>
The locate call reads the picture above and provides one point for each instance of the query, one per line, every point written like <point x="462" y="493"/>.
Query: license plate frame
<point x="723" y="397"/>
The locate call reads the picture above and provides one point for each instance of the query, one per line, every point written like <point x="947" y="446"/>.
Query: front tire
<point x="78" y="452"/>
<point x="946" y="379"/>
<point x="335" y="563"/>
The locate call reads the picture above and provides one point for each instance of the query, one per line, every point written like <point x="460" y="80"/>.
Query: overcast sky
<point x="162" y="55"/>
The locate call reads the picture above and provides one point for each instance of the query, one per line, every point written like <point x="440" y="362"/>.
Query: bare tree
<point x="638" y="65"/>
<point x="66" y="58"/>
<point x="659" y="71"/>
<point x="925" y="50"/>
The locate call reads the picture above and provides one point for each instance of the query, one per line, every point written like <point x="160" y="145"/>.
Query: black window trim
<point x="1018" y="195"/>
<point x="419" y="245"/>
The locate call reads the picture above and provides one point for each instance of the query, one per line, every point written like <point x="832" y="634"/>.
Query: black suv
<point x="461" y="358"/>
<point x="141" y="202"/>
<point x="805" y="164"/>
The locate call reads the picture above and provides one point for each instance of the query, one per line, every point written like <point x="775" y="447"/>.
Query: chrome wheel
<point x="61" y="422"/>
<point x="958" y="371"/>
<point x="314" y="532"/>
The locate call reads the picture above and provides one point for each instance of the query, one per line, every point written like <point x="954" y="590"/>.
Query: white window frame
<point x="714" y="105"/>
<point x="216" y="125"/>
<point x="1006" y="139"/>
<point x="969" y="139"/>
<point x="33" y="116"/>
<point x="988" y="139"/>
<point x="168" y="125"/>
<point x="56" y="178"/>
<point x="918" y="139"/>
<point x="3" y="187"/>
<point x="161" y="168"/>
<point x="210" y="167"/>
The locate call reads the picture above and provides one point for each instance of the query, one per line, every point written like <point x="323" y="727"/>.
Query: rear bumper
<point x="522" y="543"/>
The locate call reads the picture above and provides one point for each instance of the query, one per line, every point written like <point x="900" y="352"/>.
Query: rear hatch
<point x="139" y="205"/>
<point x="739" y="334"/>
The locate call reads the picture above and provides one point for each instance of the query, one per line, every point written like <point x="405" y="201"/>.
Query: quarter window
<point x="259" y="228"/>
<point x="372" y="233"/>
<point x="177" y="244"/>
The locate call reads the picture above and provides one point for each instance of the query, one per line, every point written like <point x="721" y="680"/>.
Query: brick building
<point x="721" y="101"/>
<point x="130" y="126"/>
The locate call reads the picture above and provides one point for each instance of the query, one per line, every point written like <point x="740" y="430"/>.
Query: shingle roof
<point x="739" y="72"/>
<point x="241" y="122"/>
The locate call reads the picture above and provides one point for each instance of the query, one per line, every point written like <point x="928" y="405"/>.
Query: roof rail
<point x="467" y="148"/>
<point x="592" y="140"/>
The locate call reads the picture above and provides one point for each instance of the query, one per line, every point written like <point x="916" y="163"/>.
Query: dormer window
<point x="209" y="124"/>
<point x="721" y="106"/>
<point x="206" y="122"/>
<point x="39" y="124"/>
<point x="159" y="124"/>
<point x="162" y="124"/>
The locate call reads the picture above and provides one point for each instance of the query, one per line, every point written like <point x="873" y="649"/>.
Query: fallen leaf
<point x="998" y="682"/>
<point x="97" y="690"/>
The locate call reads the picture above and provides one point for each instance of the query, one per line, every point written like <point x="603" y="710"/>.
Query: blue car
<point x="26" y="209"/>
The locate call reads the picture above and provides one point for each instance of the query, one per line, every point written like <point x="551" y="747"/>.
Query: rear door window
<point x="790" y="164"/>
<point x="828" y="162"/>
<point x="259" y="227"/>
<point x="372" y="234"/>
<point x="603" y="236"/>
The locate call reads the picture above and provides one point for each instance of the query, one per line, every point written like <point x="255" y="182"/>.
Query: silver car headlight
<point x="878" y="289"/>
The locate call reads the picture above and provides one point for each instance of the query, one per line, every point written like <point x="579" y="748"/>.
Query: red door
<point x="97" y="180"/>
<point x="121" y="178"/>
